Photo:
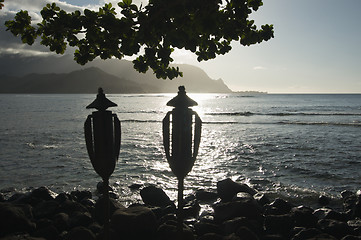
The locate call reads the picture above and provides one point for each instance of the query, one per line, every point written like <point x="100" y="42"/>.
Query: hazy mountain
<point x="54" y="74"/>
<point x="79" y="81"/>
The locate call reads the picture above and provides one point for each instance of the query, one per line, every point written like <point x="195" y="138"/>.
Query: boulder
<point x="168" y="231"/>
<point x="231" y="226"/>
<point x="306" y="234"/>
<point x="279" y="224"/>
<point x="202" y="228"/>
<point x="211" y="236"/>
<point x="43" y="193"/>
<point x="83" y="219"/>
<point x="191" y="209"/>
<point x="61" y="221"/>
<point x="21" y="237"/>
<point x="227" y="189"/>
<point x="154" y="196"/>
<point x="230" y="210"/>
<point x="80" y="195"/>
<point x="13" y="219"/>
<point x="278" y="207"/>
<point x="46" y="209"/>
<point x="335" y="228"/>
<point x="323" y="200"/>
<point x="70" y="206"/>
<point x="303" y="217"/>
<point x="80" y="233"/>
<point x="101" y="206"/>
<point x="246" y="233"/>
<point x="136" y="222"/>
<point x="206" y="196"/>
<point x="46" y="229"/>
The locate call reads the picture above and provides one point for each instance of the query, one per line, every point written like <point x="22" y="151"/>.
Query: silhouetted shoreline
<point x="237" y="212"/>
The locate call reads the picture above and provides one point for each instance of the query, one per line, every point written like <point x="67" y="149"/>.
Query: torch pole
<point x="180" y="206"/>
<point x="107" y="208"/>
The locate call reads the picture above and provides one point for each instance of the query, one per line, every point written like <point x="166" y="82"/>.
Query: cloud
<point x="259" y="68"/>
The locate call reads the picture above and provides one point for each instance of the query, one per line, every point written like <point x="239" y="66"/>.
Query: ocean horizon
<point x="283" y="145"/>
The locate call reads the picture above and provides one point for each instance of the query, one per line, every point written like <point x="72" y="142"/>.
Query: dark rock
<point x="231" y="226"/>
<point x="335" y="228"/>
<point x="202" y="228"/>
<point x="242" y="196"/>
<point x="206" y="196"/>
<point x="235" y="237"/>
<point x="346" y="193"/>
<point x="230" y="210"/>
<point x="61" y="221"/>
<point x="168" y="231"/>
<point x="327" y="213"/>
<point x="274" y="237"/>
<point x="49" y="232"/>
<point x="278" y="207"/>
<point x="154" y="196"/>
<point x="322" y="236"/>
<point x="351" y="237"/>
<point x="323" y="200"/>
<point x="83" y="219"/>
<point x="88" y="203"/>
<point x="69" y="206"/>
<point x="46" y="209"/>
<point x="211" y="236"/>
<point x="246" y="233"/>
<point x="2" y="198"/>
<point x="191" y="209"/>
<point x="101" y="206"/>
<point x="134" y="222"/>
<point x="227" y="188"/>
<point x="80" y="233"/>
<point x="43" y="193"/>
<point x="13" y="219"/>
<point x="23" y="198"/>
<point x="63" y="197"/>
<point x="279" y="224"/>
<point x="306" y="234"/>
<point x="135" y="186"/>
<point x="80" y="195"/>
<point x="303" y="217"/>
<point x="95" y="228"/>
<point x="262" y="199"/>
<point x="21" y="237"/>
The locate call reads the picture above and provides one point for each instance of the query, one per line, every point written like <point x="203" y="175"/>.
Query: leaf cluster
<point x="204" y="27"/>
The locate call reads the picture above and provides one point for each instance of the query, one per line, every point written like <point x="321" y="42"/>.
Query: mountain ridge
<point x="62" y="75"/>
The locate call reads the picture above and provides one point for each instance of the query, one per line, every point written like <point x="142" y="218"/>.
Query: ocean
<point x="295" y="146"/>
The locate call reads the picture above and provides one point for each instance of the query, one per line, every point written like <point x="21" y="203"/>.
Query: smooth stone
<point x="279" y="224"/>
<point x="227" y="189"/>
<point x="154" y="196"/>
<point x="13" y="219"/>
<point x="80" y="233"/>
<point x="136" y="222"/>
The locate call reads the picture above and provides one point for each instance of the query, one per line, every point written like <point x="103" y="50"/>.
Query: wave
<point x="247" y="113"/>
<point x="346" y="124"/>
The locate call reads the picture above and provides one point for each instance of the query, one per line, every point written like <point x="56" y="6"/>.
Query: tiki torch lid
<point x="182" y="100"/>
<point x="101" y="102"/>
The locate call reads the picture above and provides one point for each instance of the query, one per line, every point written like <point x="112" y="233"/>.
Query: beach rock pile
<point x="238" y="212"/>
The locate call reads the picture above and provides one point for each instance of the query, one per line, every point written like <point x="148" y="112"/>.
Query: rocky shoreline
<point x="237" y="212"/>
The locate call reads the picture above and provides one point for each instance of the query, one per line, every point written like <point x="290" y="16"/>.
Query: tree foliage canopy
<point x="152" y="32"/>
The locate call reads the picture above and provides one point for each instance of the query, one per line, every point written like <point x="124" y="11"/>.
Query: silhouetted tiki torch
<point x="102" y="137"/>
<point x="185" y="135"/>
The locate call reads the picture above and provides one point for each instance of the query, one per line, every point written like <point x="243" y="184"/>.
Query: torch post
<point x="102" y="137"/>
<point x="181" y="139"/>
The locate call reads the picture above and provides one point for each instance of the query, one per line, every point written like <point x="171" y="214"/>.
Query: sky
<point x="316" y="48"/>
